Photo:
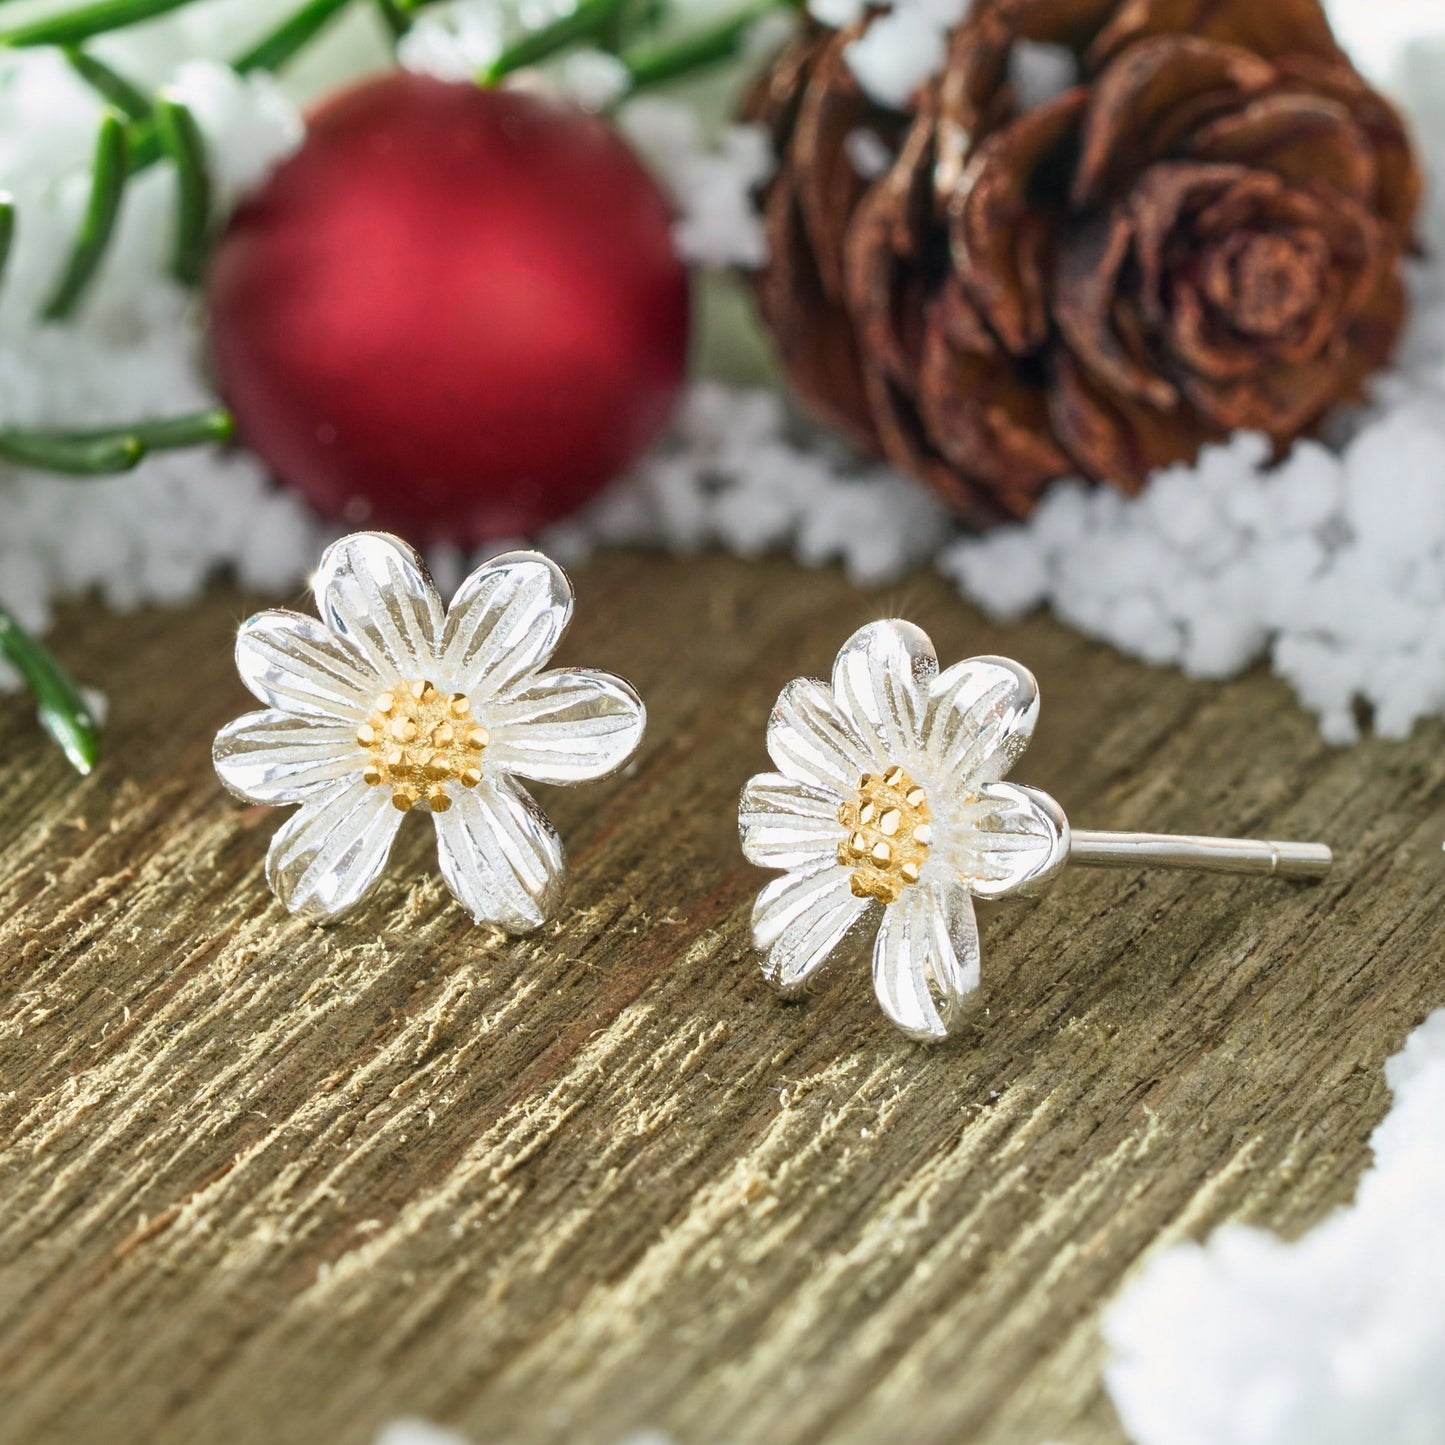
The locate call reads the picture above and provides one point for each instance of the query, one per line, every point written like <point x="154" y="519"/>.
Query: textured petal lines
<point x="926" y="959"/>
<point x="277" y="757"/>
<point x="1009" y="838"/>
<point x="785" y="824"/>
<point x="800" y="920"/>
<point x="506" y="620"/>
<point x="373" y="591"/>
<point x="293" y="664"/>
<point x="981" y="715"/>
<point x="567" y="726"/>
<point x="810" y="742"/>
<point x="329" y="855"/>
<point x="500" y="856"/>
<point x="880" y="685"/>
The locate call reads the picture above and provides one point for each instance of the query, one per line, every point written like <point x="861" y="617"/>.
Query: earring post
<point x="1200" y="855"/>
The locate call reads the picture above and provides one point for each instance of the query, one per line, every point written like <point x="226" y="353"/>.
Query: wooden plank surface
<point x="264" y="1182"/>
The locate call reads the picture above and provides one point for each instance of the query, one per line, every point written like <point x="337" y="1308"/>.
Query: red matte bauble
<point x="454" y="312"/>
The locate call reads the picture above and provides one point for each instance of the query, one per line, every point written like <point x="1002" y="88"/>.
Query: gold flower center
<point x="889" y="830"/>
<point x="417" y="740"/>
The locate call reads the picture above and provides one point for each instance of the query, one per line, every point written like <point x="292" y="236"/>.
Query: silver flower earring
<point x="392" y="703"/>
<point x="888" y="814"/>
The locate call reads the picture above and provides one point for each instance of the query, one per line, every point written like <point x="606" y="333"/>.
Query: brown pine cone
<point x="1205" y="233"/>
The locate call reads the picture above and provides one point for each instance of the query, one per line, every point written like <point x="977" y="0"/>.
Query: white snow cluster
<point x="712" y="179"/>
<point x="1337" y="1339"/>
<point x="1332" y="564"/>
<point x="902" y="48"/>
<point x="740" y="475"/>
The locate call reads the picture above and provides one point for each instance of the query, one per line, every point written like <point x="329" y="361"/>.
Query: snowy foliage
<point x="1332" y="566"/>
<point x="1334" y="1340"/>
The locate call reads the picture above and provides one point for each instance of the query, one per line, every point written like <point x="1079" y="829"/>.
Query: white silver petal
<point x="880" y="685"/>
<point x="1008" y="839"/>
<point x="801" y="920"/>
<point x="278" y="757"/>
<point x="293" y="664"/>
<point x="329" y="854"/>
<point x="373" y="591"/>
<point x="785" y="824"/>
<point x="567" y="726"/>
<point x="926" y="959"/>
<point x="810" y="742"/>
<point x="981" y="715"/>
<point x="500" y="855"/>
<point x="505" y="621"/>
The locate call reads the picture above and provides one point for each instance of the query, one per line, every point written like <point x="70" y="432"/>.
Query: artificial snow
<point x="711" y="178"/>
<point x="1337" y="1339"/>
<point x="903" y="48"/>
<point x="739" y="473"/>
<point x="1332" y="564"/>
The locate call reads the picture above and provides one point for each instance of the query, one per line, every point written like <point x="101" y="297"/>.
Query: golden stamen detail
<point x="889" y="828"/>
<point x="416" y="743"/>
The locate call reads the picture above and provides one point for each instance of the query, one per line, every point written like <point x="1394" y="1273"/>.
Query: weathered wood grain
<point x="268" y="1183"/>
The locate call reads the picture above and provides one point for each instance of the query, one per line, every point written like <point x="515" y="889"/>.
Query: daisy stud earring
<point x="889" y="816"/>
<point x="393" y="704"/>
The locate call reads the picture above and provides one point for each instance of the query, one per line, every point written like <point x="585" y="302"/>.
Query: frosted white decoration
<point x="925" y="752"/>
<point x="393" y="702"/>
<point x="1336" y="1339"/>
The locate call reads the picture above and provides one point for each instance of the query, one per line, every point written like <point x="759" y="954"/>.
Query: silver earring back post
<point x="1200" y="855"/>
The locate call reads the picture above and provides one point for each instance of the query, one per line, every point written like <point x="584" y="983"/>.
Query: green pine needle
<point x="273" y="50"/>
<point x="588" y="19"/>
<point x="71" y="456"/>
<point x="7" y="229"/>
<point x="63" y="710"/>
<point x="109" y="450"/>
<point x="72" y="27"/>
<point x="182" y="141"/>
<point x="109" y="170"/>
<point x="110" y="85"/>
<point x="394" y="18"/>
<point x="214" y="427"/>
<point x="657" y="64"/>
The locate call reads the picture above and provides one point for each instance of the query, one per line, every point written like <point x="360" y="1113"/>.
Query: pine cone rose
<point x="1200" y="229"/>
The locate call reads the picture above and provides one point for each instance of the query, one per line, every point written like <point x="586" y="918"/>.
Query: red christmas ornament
<point x="455" y="312"/>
